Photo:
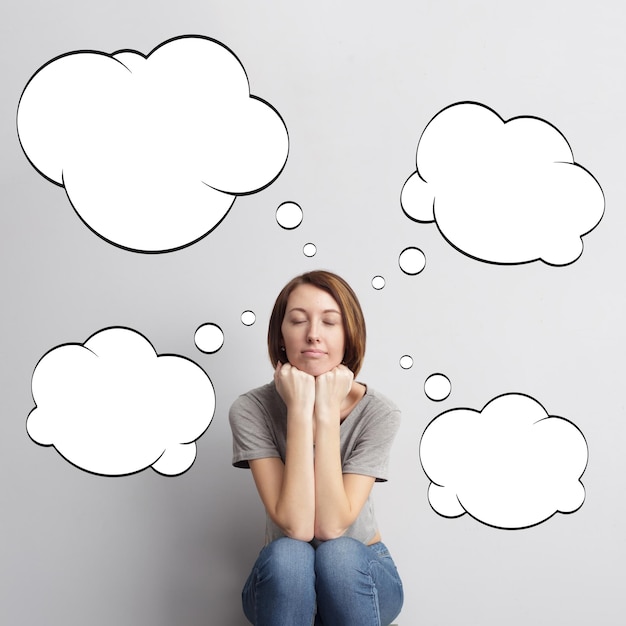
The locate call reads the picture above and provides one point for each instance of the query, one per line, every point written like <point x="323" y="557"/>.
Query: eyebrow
<point x="297" y="308"/>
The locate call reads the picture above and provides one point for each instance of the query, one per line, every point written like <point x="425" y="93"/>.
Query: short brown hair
<point x="351" y="315"/>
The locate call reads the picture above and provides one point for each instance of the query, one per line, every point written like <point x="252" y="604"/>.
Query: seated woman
<point x="316" y="441"/>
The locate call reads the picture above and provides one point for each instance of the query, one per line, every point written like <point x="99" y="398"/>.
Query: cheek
<point x="340" y="347"/>
<point x="288" y="338"/>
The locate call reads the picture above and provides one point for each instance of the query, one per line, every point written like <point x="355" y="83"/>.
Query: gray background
<point x="356" y="83"/>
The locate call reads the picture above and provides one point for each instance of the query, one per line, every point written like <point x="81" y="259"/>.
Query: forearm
<point x="293" y="502"/>
<point x="333" y="511"/>
<point x="295" y="508"/>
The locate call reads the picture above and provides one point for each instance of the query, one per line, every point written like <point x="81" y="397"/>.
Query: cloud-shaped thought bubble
<point x="510" y="465"/>
<point x="113" y="407"/>
<point x="152" y="151"/>
<point x="502" y="192"/>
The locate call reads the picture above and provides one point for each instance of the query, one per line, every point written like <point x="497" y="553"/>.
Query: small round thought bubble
<point x="406" y="362"/>
<point x="309" y="249"/>
<point x="289" y="215"/>
<point x="378" y="282"/>
<point x="412" y="261"/>
<point x="248" y="318"/>
<point x="209" y="338"/>
<point x="437" y="387"/>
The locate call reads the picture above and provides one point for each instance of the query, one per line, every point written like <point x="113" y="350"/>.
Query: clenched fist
<point x="331" y="389"/>
<point x="296" y="388"/>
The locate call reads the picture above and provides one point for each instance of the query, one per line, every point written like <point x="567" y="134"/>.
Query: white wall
<point x="355" y="83"/>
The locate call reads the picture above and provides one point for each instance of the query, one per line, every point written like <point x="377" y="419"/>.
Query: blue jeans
<point x="342" y="582"/>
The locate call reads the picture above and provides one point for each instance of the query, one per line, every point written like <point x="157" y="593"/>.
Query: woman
<point x="316" y="440"/>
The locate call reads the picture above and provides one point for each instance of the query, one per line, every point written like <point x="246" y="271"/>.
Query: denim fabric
<point x="342" y="582"/>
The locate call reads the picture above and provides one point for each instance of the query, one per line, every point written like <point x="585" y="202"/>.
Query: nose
<point x="313" y="334"/>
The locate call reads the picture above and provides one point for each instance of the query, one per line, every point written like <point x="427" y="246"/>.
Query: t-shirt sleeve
<point x="252" y="437"/>
<point x="370" y="455"/>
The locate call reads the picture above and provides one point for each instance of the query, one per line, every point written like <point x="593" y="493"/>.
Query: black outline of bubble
<point x="243" y="313"/>
<point x="383" y="285"/>
<point x="465" y="511"/>
<point x="412" y="273"/>
<point x="467" y="254"/>
<point x="145" y="56"/>
<point x="410" y="366"/>
<point x="157" y="355"/>
<point x="289" y="227"/>
<point x="449" y="381"/>
<point x="309" y="243"/>
<point x="216" y="326"/>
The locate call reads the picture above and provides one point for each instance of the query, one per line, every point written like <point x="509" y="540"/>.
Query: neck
<point x="357" y="391"/>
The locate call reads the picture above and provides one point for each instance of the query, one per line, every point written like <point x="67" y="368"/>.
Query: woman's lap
<point x="348" y="581"/>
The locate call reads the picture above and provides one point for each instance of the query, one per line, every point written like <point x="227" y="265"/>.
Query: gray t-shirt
<point x="258" y="420"/>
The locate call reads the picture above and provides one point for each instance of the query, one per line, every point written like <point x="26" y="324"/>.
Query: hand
<point x="296" y="388"/>
<point x="331" y="389"/>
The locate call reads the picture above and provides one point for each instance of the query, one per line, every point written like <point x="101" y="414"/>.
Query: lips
<point x="313" y="353"/>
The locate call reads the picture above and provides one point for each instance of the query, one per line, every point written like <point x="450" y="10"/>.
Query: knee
<point x="286" y="550"/>
<point x="340" y="548"/>
<point x="287" y="560"/>
<point x="338" y="557"/>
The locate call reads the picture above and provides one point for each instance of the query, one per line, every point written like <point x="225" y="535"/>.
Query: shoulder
<point x="378" y="410"/>
<point x="264" y="393"/>
<point x="380" y="401"/>
<point x="263" y="399"/>
<point x="374" y="402"/>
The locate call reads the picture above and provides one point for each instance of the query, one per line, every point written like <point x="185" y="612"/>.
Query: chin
<point x="316" y="369"/>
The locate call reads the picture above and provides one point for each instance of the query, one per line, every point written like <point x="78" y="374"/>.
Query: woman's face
<point x="312" y="330"/>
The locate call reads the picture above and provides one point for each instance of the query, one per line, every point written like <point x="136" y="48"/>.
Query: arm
<point x="287" y="490"/>
<point x="339" y="497"/>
